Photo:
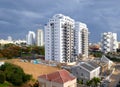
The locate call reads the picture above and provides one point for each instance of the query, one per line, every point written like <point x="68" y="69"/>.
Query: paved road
<point x="115" y="76"/>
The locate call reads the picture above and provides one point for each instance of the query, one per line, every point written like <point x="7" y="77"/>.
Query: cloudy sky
<point x="17" y="17"/>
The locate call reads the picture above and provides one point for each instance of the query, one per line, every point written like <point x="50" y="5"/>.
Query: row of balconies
<point x="68" y="45"/>
<point x="68" y="33"/>
<point x="65" y="41"/>
<point x="68" y="28"/>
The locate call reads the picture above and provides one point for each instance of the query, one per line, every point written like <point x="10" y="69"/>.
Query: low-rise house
<point x="107" y="68"/>
<point x="86" y="71"/>
<point x="105" y="64"/>
<point x="61" y="78"/>
<point x="107" y="61"/>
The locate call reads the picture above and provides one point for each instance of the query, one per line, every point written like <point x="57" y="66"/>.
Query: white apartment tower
<point x="31" y="38"/>
<point x="81" y="39"/>
<point x="59" y="39"/>
<point x="9" y="38"/>
<point x="39" y="37"/>
<point x="109" y="42"/>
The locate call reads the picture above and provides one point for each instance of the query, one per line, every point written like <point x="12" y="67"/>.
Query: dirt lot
<point x="33" y="69"/>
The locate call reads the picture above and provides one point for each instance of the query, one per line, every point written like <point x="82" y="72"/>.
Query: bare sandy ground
<point x="34" y="69"/>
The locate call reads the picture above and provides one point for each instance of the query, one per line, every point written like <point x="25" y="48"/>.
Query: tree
<point x="14" y="74"/>
<point x="16" y="79"/>
<point x="2" y="77"/>
<point x="26" y="77"/>
<point x="36" y="84"/>
<point x="88" y="83"/>
<point x="79" y="81"/>
<point x="1" y="56"/>
<point x="96" y="53"/>
<point x="11" y="51"/>
<point x="95" y="81"/>
<point x="8" y="45"/>
<point x="38" y="50"/>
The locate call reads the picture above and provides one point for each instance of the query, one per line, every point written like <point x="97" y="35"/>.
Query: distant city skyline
<point x="19" y="17"/>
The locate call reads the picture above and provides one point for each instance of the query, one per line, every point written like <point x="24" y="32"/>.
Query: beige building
<point x="61" y="78"/>
<point x="39" y="37"/>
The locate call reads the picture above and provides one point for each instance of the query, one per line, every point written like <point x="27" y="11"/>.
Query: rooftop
<point x="93" y="64"/>
<point x="60" y="76"/>
<point x="89" y="65"/>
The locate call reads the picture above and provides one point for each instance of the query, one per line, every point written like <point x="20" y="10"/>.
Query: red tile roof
<point x="60" y="76"/>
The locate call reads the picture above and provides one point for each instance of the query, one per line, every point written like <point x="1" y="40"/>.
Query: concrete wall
<point x="72" y="83"/>
<point x="95" y="73"/>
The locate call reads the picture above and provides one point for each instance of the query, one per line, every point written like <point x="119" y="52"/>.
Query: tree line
<point x="10" y="50"/>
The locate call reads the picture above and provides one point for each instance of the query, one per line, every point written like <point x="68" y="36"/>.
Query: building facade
<point x="31" y="38"/>
<point x="86" y="71"/>
<point x="39" y="37"/>
<point x="81" y="39"/>
<point x="61" y="78"/>
<point x="109" y="42"/>
<point x="59" y="39"/>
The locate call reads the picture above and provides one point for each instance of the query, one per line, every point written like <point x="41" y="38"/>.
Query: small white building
<point x="86" y="70"/>
<point x="2" y="63"/>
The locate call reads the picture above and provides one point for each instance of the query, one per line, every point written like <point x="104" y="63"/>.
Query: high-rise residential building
<point x="39" y="37"/>
<point x="31" y="38"/>
<point x="81" y="39"/>
<point x="59" y="39"/>
<point x="109" y="42"/>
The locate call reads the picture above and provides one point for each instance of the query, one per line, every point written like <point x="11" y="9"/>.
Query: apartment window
<point x="81" y="74"/>
<point x="76" y="73"/>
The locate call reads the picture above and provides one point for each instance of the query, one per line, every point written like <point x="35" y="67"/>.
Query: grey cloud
<point x="20" y="16"/>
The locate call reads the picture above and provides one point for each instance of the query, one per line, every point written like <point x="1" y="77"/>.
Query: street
<point x="115" y="78"/>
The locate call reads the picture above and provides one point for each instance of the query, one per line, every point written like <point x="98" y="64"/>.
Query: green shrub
<point x="2" y="77"/>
